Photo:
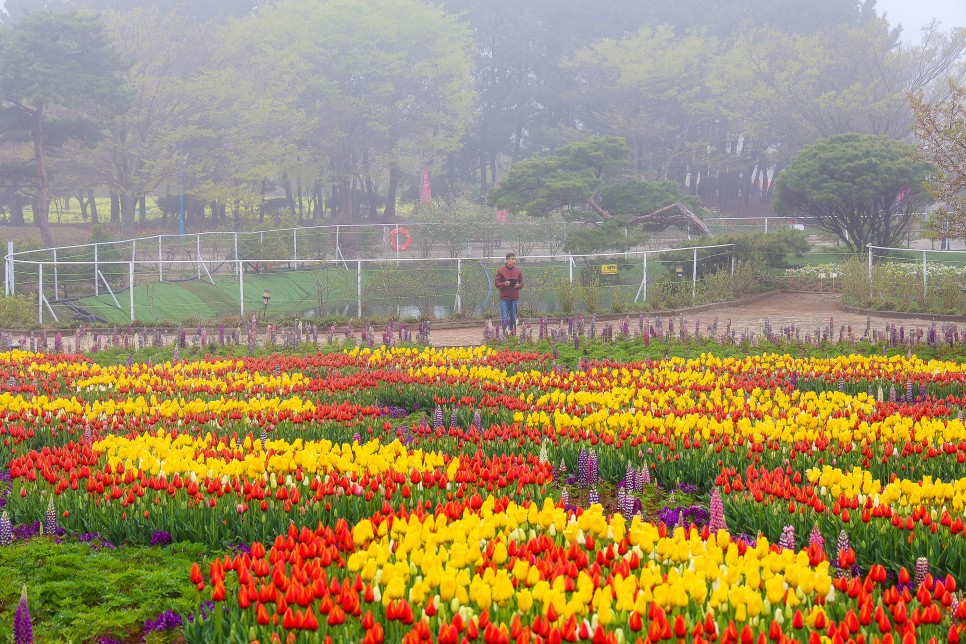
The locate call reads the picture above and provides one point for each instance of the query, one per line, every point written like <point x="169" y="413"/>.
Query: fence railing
<point x="919" y="260"/>
<point x="115" y="281"/>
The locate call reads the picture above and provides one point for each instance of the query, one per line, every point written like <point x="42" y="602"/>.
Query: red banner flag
<point x="426" y="193"/>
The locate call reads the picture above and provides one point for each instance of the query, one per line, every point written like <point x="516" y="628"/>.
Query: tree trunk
<point x="287" y="183"/>
<point x="142" y="204"/>
<point x="83" y="205"/>
<point x="317" y="203"/>
<point x="115" y="208"/>
<point x="214" y="214"/>
<point x="16" y="207"/>
<point x="93" y="204"/>
<point x="261" y="203"/>
<point x="42" y="203"/>
<point x="298" y="187"/>
<point x="483" y="184"/>
<point x="389" y="213"/>
<point x="128" y="213"/>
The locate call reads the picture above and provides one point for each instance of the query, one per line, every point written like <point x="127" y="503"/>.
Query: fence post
<point x="237" y="265"/>
<point x="40" y="293"/>
<point x="198" y="253"/>
<point x="459" y="285"/>
<point x="56" y="285"/>
<point x="925" y="287"/>
<point x="570" y="266"/>
<point x="766" y="225"/>
<point x="397" y="245"/>
<point x="131" y="287"/>
<point x="97" y="288"/>
<point x="241" y="290"/>
<point x="295" y="247"/>
<point x="870" y="271"/>
<point x="160" y="264"/>
<point x="694" y="277"/>
<point x="359" y="289"/>
<point x="11" y="283"/>
<point x="643" y="287"/>
<point x="732" y="261"/>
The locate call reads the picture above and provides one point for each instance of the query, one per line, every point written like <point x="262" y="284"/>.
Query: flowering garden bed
<point x="493" y="495"/>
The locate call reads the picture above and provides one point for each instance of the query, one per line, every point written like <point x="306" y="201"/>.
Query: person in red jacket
<point x="509" y="279"/>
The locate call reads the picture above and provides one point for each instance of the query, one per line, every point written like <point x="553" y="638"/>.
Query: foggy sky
<point x="915" y="14"/>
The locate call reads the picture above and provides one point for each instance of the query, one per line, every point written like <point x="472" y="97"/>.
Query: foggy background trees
<point x="329" y="110"/>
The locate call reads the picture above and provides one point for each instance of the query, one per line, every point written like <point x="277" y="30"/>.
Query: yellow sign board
<point x="608" y="269"/>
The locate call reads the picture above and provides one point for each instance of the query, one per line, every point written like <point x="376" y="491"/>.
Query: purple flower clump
<point x="160" y="538"/>
<point x="166" y="621"/>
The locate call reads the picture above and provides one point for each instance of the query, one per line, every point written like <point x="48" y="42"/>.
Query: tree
<point x="57" y="73"/>
<point x="587" y="181"/>
<point x="941" y="128"/>
<point x="862" y="188"/>
<point x="389" y="85"/>
<point x="569" y="180"/>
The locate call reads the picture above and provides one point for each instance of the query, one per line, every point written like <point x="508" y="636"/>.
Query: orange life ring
<point x="400" y="244"/>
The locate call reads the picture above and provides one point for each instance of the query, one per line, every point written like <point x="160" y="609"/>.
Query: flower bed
<point x="400" y="494"/>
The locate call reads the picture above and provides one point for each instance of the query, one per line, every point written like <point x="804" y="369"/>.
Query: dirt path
<point x="805" y="311"/>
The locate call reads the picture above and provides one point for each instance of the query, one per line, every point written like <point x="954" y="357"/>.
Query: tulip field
<point x="501" y="494"/>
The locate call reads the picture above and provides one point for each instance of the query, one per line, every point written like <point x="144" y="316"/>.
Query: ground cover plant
<point x="643" y="489"/>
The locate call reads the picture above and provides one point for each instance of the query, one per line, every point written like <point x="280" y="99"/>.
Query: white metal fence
<point x="930" y="265"/>
<point x="347" y="270"/>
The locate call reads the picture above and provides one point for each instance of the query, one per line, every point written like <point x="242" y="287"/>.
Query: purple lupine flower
<point x="23" y="632"/>
<point x="629" y="477"/>
<point x="628" y="508"/>
<point x="437" y="417"/>
<point x="565" y="498"/>
<point x="582" y="468"/>
<point x="264" y="438"/>
<point x="816" y="539"/>
<point x="593" y="498"/>
<point x="357" y="438"/>
<point x="593" y="469"/>
<point x="423" y="423"/>
<point x="453" y="419"/>
<point x="166" y="621"/>
<point x="621" y="498"/>
<point x="922" y="569"/>
<point x="160" y="538"/>
<point x="717" y="521"/>
<point x="562" y="471"/>
<point x="177" y="355"/>
<point x="50" y="520"/>
<point x="6" y="529"/>
<point x="787" y="540"/>
<point x="477" y="421"/>
<point x="644" y="478"/>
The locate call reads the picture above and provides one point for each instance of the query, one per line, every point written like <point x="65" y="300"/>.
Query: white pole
<point x="198" y="253"/>
<point x="766" y="225"/>
<point x="694" y="277"/>
<point x="359" y="289"/>
<point x="870" y="272"/>
<point x="160" y="265"/>
<point x="925" y="288"/>
<point x="732" y="262"/>
<point x="241" y="290"/>
<point x="97" y="288"/>
<point x="397" y="245"/>
<point x="295" y="248"/>
<point x="643" y="287"/>
<point x="131" y="287"/>
<point x="10" y="280"/>
<point x="570" y="261"/>
<point x="459" y="285"/>
<point x="236" y="250"/>
<point x="56" y="285"/>
<point x="40" y="293"/>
